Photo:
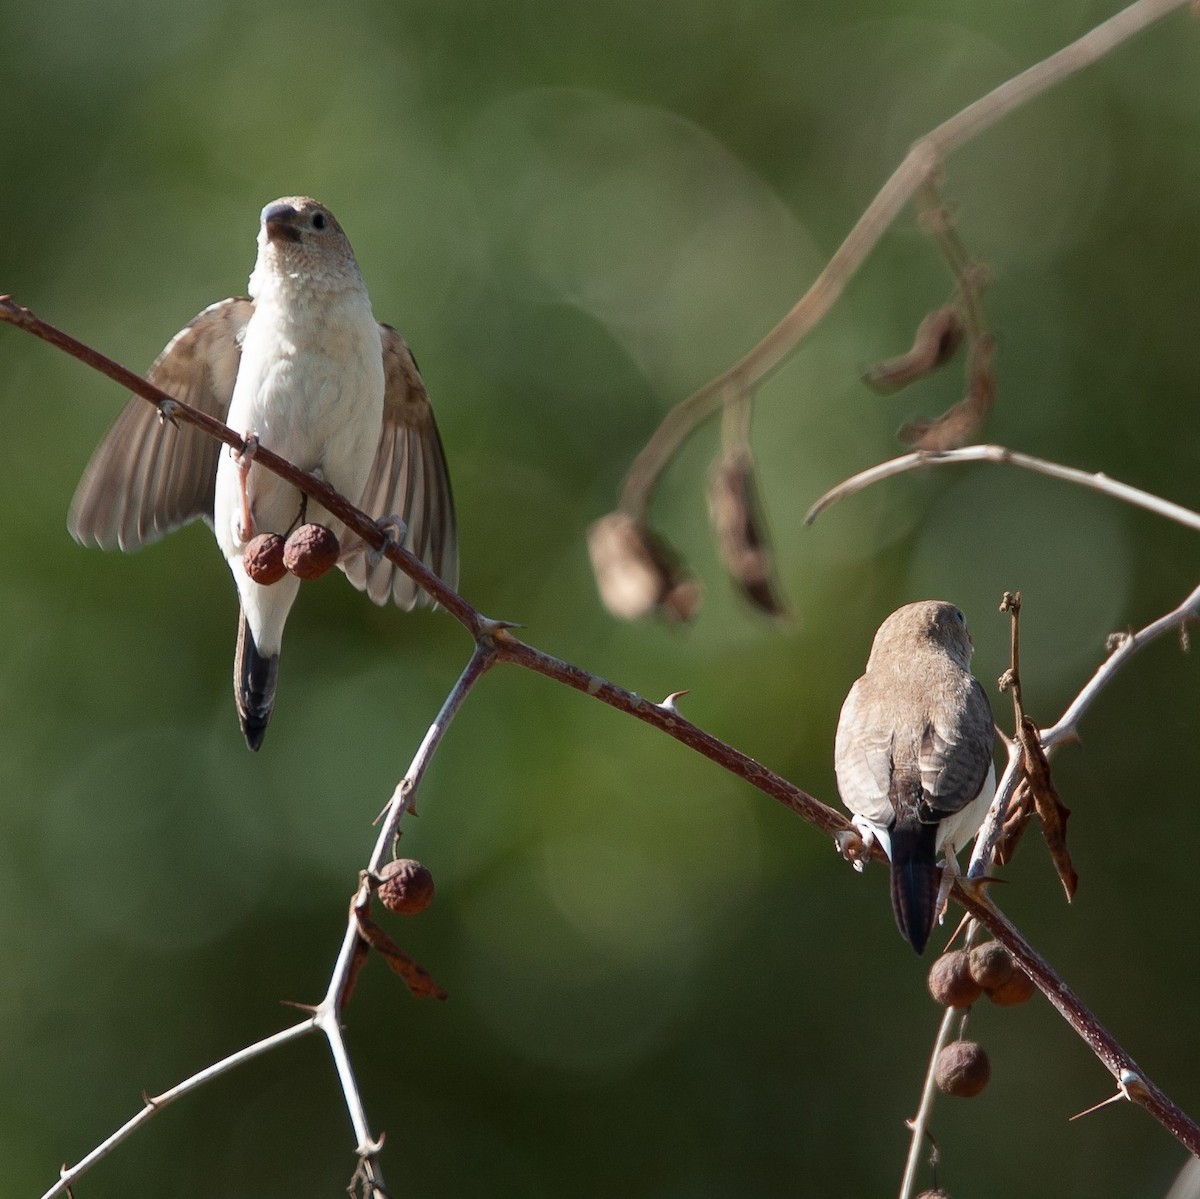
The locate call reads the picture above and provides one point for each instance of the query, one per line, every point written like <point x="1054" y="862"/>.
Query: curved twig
<point x="1094" y="480"/>
<point x="925" y="156"/>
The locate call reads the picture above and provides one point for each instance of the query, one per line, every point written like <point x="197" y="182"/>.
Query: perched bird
<point x="913" y="754"/>
<point x="303" y="368"/>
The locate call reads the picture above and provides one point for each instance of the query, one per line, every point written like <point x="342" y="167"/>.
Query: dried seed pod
<point x="263" y="559"/>
<point x="405" y="887"/>
<point x="740" y="527"/>
<point x="990" y="965"/>
<point x="1017" y="988"/>
<point x="962" y="421"/>
<point x="951" y="982"/>
<point x="311" y="550"/>
<point x="637" y="573"/>
<point x="936" y="339"/>
<point x="962" y="1069"/>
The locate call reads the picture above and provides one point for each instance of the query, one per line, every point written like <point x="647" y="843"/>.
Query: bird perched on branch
<point x="302" y="368"/>
<point x="913" y="755"/>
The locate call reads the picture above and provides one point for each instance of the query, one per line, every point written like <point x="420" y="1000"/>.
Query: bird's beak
<point x="279" y="222"/>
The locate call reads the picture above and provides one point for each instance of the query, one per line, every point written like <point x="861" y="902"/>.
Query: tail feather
<point x="254" y="677"/>
<point x="915" y="880"/>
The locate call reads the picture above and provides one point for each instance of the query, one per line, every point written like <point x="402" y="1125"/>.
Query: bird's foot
<point x="394" y="530"/>
<point x="857" y="843"/>
<point x="244" y="458"/>
<point x="949" y="874"/>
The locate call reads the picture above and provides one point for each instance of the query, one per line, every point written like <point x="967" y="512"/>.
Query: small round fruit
<point x="950" y="981"/>
<point x="311" y="550"/>
<point x="405" y="886"/>
<point x="962" y="1069"/>
<point x="1016" y="989"/>
<point x="990" y="965"/>
<point x="263" y="559"/>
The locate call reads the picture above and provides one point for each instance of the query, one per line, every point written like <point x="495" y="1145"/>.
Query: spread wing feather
<point x="409" y="479"/>
<point x="149" y="476"/>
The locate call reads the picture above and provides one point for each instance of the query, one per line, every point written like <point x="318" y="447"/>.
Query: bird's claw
<point x="394" y="530"/>
<point x="856" y="844"/>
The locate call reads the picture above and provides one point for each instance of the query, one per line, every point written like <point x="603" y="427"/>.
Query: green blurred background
<point x="662" y="984"/>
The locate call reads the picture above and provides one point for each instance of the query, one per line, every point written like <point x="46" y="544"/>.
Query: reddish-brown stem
<point x="1072" y="1009"/>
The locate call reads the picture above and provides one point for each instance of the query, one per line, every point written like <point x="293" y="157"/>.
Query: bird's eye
<point x="959" y="617"/>
<point x="318" y="220"/>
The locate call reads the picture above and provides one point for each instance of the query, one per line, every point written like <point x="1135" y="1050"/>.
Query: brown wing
<point x="149" y="476"/>
<point x="863" y="755"/>
<point x="409" y="479"/>
<point x="956" y="752"/>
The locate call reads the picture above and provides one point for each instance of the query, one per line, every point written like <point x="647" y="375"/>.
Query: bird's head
<point x="299" y="238"/>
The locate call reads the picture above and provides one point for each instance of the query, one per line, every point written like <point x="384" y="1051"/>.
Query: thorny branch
<point x="494" y="642"/>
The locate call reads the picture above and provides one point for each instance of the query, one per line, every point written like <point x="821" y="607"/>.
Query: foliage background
<point x="661" y="984"/>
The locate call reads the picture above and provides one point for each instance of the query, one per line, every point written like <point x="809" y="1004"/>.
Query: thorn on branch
<point x="1130" y="1086"/>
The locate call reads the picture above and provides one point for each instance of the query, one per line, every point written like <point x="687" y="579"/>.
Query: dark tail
<point x="253" y="685"/>
<point x="915" y="880"/>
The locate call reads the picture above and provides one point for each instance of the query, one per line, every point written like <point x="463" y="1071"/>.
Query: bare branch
<point x="1130" y="644"/>
<point x="328" y="1014"/>
<point x="920" y="1121"/>
<point x="70" y="1174"/>
<point x="999" y="454"/>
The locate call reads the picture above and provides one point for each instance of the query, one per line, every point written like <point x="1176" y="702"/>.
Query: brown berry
<point x="263" y="559"/>
<point x="950" y="981"/>
<point x="311" y="550"/>
<point x="1016" y="989"/>
<point x="936" y="1193"/>
<point x="406" y="887"/>
<point x="990" y="965"/>
<point x="962" y="1069"/>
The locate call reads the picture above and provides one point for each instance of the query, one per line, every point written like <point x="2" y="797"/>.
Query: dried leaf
<point x="1052" y="812"/>
<point x="936" y="339"/>
<point x="418" y="980"/>
<point x="638" y="573"/>
<point x="1020" y="810"/>
<point x="358" y="959"/>
<point x="737" y="519"/>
